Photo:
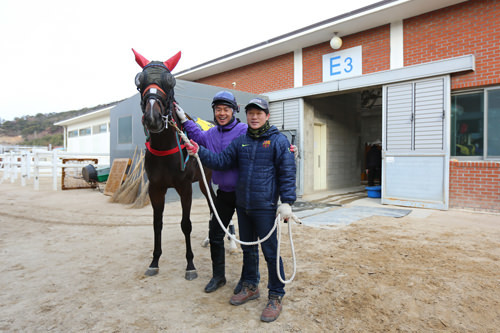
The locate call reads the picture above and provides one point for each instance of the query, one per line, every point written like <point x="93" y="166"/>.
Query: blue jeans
<point x="253" y="224"/>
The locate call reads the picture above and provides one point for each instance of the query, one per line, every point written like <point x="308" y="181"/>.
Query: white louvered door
<point x="415" y="149"/>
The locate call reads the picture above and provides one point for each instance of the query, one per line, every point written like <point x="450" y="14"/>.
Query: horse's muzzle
<point x="152" y="118"/>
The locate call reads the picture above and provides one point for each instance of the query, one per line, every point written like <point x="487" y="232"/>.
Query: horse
<point x="166" y="161"/>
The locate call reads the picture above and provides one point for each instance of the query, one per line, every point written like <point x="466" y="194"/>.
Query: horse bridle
<point x="154" y="93"/>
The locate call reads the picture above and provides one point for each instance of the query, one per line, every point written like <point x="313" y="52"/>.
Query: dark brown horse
<point x="166" y="162"/>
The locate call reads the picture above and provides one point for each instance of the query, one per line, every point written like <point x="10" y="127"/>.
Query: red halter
<point x="163" y="152"/>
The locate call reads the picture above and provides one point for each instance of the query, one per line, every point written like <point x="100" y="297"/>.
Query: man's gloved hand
<point x="180" y="113"/>
<point x="192" y="148"/>
<point x="285" y="211"/>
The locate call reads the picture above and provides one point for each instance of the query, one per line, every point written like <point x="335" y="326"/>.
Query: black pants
<point x="225" y="203"/>
<point x="373" y="173"/>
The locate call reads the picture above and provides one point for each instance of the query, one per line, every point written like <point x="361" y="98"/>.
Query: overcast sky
<point x="62" y="55"/>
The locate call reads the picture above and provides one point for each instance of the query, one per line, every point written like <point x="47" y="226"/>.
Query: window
<point x="101" y="128"/>
<point x="72" y="134"/>
<point x="475" y="119"/>
<point x="84" y="131"/>
<point x="125" y="130"/>
<point x="493" y="117"/>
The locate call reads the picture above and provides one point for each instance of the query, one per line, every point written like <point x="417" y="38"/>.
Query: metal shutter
<point x="415" y="116"/>
<point x="415" y="164"/>
<point x="429" y="115"/>
<point x="399" y="120"/>
<point x="285" y="115"/>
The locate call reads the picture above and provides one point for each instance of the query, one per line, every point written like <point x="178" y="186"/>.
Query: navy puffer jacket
<point x="266" y="169"/>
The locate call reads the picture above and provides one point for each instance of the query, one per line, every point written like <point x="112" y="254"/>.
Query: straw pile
<point x="134" y="190"/>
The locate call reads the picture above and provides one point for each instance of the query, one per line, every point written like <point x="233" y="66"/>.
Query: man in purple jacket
<point x="216" y="139"/>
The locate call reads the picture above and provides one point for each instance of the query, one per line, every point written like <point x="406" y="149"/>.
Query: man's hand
<point x="285" y="211"/>
<point x="180" y="113"/>
<point x="295" y="151"/>
<point x="192" y="148"/>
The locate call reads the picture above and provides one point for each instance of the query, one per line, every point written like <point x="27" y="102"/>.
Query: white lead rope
<point x="276" y="222"/>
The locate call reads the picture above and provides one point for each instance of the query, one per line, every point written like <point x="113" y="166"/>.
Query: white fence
<point x="37" y="163"/>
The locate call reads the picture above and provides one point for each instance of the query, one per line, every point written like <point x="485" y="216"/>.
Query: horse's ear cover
<point x="141" y="61"/>
<point x="172" y="62"/>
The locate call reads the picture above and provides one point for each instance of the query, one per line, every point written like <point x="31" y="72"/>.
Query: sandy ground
<point x="72" y="262"/>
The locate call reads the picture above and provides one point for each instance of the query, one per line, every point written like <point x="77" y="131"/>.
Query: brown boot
<point x="272" y="310"/>
<point x="247" y="293"/>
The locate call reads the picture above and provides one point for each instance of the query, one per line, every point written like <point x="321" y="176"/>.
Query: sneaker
<point x="247" y="293"/>
<point x="272" y="310"/>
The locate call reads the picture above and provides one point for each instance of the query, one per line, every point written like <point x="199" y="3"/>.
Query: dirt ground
<point x="71" y="261"/>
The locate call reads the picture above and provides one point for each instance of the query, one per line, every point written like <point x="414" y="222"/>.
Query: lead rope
<point x="276" y="221"/>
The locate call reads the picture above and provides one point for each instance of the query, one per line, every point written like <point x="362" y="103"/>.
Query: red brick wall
<point x="475" y="185"/>
<point x="277" y="73"/>
<point x="471" y="27"/>
<point x="269" y="75"/>
<point x="376" y="53"/>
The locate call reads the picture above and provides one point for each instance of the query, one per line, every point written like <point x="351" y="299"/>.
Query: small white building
<point x="88" y="133"/>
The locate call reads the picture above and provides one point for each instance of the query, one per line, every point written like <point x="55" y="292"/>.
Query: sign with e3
<point x="342" y="64"/>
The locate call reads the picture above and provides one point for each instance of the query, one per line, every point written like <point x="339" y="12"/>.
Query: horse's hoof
<point x="205" y="242"/>
<point x="234" y="251"/>
<point x="191" y="275"/>
<point x="152" y="271"/>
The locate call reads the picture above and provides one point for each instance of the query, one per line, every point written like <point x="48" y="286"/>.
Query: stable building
<point x="88" y="133"/>
<point x="422" y="76"/>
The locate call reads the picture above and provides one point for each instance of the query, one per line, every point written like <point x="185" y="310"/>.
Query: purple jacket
<point x="216" y="139"/>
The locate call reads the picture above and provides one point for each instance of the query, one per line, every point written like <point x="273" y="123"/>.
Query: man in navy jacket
<point x="267" y="173"/>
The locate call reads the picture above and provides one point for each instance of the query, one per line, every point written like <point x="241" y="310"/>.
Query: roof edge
<point x="289" y="34"/>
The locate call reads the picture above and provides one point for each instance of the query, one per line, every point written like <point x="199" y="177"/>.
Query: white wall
<point x="93" y="143"/>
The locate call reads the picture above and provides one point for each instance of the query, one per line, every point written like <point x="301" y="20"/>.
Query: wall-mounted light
<point x="335" y="42"/>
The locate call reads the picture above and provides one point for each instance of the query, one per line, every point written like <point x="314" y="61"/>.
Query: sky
<point x="63" y="55"/>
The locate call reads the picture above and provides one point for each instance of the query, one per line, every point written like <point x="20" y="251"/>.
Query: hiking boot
<point x="247" y="293"/>
<point x="272" y="310"/>
<point x="214" y="284"/>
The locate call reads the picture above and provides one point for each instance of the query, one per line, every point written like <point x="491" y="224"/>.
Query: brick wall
<point x="475" y="185"/>
<point x="277" y="73"/>
<point x="376" y="53"/>
<point x="470" y="27"/>
<point x="269" y="75"/>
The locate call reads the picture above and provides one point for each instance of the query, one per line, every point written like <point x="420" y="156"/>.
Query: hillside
<point x="39" y="130"/>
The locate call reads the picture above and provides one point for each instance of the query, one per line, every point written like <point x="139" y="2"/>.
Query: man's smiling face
<point x="223" y="114"/>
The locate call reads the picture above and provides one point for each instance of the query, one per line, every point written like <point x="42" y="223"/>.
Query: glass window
<point x="125" y="130"/>
<point x="101" y="128"/>
<point x="493" y="116"/>
<point x="84" y="131"/>
<point x="467" y="124"/>
<point x="72" y="134"/>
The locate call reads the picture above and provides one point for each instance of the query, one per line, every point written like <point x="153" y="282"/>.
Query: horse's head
<point x="156" y="85"/>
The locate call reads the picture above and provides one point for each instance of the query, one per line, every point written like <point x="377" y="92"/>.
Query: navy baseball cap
<point x="258" y="103"/>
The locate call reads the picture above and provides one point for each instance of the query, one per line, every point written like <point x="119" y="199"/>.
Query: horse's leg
<point x="157" y="197"/>
<point x="185" y="192"/>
